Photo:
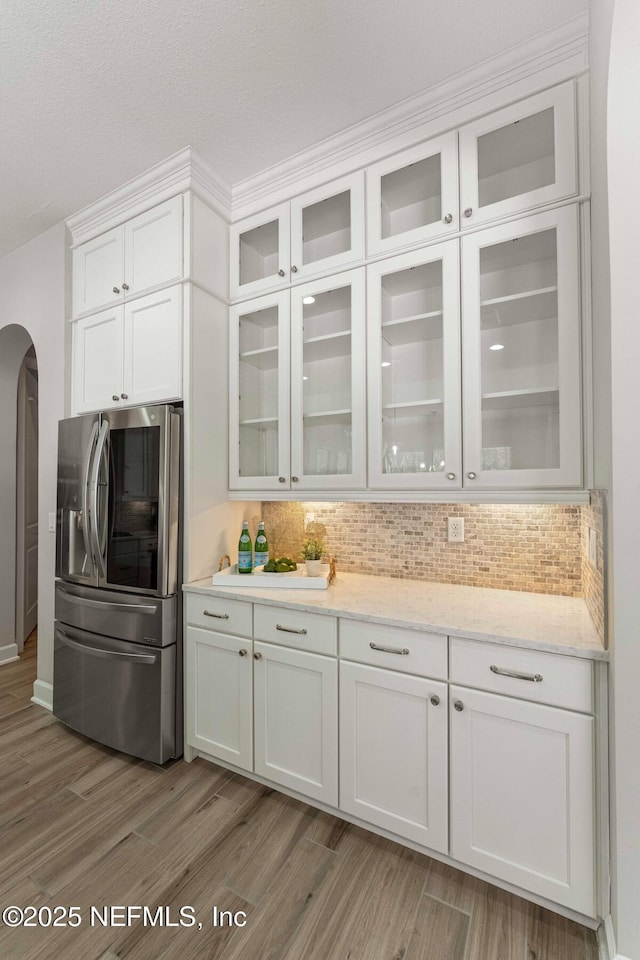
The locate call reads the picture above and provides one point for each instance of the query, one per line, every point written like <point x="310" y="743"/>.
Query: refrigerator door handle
<point x="143" y="608"/>
<point x="141" y="658"/>
<point x="95" y="476"/>
<point x="86" y="522"/>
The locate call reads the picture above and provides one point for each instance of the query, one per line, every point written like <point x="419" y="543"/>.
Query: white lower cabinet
<point x="296" y="720"/>
<point x="500" y="779"/>
<point x="393" y="752"/>
<point x="522" y="794"/>
<point x="220" y="693"/>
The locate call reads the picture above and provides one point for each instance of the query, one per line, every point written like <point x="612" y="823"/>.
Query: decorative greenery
<point x="312" y="549"/>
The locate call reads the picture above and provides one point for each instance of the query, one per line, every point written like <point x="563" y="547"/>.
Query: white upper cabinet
<point x="521" y="353"/>
<point x="143" y="253"/>
<point x="297" y="381"/>
<point x="153" y="347"/>
<point x="98" y="272"/>
<point x="260" y="252"/>
<point x="327" y="228"/>
<point x="259" y="400"/>
<point x="413" y="340"/>
<point x="320" y="231"/>
<point x="97" y="361"/>
<point x="519" y="157"/>
<point x="412" y="197"/>
<point x="328" y="383"/>
<point x="153" y="247"/>
<point x="129" y="354"/>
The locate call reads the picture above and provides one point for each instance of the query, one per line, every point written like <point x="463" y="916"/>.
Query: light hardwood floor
<point x="81" y="825"/>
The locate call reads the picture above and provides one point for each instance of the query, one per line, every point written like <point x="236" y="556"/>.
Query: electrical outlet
<point x="52" y="523"/>
<point x="592" y="536"/>
<point x="455" y="529"/>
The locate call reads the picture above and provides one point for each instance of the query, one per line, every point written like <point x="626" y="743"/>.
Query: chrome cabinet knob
<point x="115" y="397"/>
<point x="116" y="289"/>
<point x="471" y="475"/>
<point x="295" y="479"/>
<point x="125" y="286"/>
<point x="451" y="476"/>
<point x="257" y="656"/>
<point x="282" y="479"/>
<point x="242" y="653"/>
<point x="468" y="211"/>
<point x="448" y="218"/>
<point x="435" y="700"/>
<point x="294" y="269"/>
<point x="459" y="706"/>
<point x="281" y="272"/>
<point x="125" y="396"/>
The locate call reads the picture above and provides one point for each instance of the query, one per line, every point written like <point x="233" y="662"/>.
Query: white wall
<point x="32" y="295"/>
<point x="623" y="159"/>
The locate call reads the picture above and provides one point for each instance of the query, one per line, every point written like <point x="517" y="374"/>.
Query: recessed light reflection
<point x="497" y="346"/>
<point x="305" y="378"/>
<point x="308" y="300"/>
<point x="386" y="363"/>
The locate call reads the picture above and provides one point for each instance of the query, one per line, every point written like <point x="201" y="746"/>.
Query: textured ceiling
<point x="92" y="93"/>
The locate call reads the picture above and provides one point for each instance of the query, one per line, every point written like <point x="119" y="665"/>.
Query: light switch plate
<point x="52" y="523"/>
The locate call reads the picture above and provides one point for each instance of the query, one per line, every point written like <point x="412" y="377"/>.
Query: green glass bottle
<point x="245" y="554"/>
<point x="261" y="549"/>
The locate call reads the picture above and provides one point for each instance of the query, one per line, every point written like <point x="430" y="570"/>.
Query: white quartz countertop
<point x="539" y="621"/>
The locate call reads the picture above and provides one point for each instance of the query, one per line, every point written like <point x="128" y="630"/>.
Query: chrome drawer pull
<point x="533" y="677"/>
<point x="302" y="632"/>
<point x="218" y="616"/>
<point x="403" y="652"/>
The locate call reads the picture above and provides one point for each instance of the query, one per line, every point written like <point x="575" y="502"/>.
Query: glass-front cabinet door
<point x="327" y="227"/>
<point x="412" y="197"/>
<point x="328" y="383"/>
<point x="519" y="157"/>
<point x="260" y="253"/>
<point x="259" y="394"/>
<point x="521" y="353"/>
<point x="414" y="370"/>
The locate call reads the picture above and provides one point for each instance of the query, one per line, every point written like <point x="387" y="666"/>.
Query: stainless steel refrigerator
<point x="117" y="642"/>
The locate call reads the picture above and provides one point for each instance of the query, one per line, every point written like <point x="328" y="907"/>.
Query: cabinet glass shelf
<point x="411" y="197"/>
<point x="328" y="346"/>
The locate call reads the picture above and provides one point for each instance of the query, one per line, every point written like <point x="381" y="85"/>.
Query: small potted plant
<point x="312" y="553"/>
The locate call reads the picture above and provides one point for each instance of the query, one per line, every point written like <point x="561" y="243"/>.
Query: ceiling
<point x="92" y="93"/>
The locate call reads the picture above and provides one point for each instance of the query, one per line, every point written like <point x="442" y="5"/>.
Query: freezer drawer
<point x="118" y="693"/>
<point x="123" y="616"/>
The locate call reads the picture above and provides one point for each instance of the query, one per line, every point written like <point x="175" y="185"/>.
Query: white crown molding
<point x="185" y="170"/>
<point x="549" y="58"/>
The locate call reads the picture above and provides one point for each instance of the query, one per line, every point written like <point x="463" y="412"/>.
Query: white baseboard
<point x="9" y="653"/>
<point x="43" y="694"/>
<point x="607" y="941"/>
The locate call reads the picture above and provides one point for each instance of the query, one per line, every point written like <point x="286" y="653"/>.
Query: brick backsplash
<point x="593" y="577"/>
<point x="539" y="548"/>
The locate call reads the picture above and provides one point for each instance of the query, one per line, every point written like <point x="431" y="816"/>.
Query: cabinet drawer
<point x="219" y="613"/>
<point x="424" y="654"/>
<point x="296" y="628"/>
<point x="543" y="677"/>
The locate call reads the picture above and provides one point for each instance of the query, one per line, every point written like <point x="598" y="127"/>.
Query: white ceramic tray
<point x="295" y="580"/>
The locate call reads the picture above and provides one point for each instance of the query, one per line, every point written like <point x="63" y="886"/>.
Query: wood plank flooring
<point x="81" y="825"/>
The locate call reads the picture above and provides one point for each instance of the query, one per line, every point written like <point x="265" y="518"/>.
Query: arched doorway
<point x="18" y="490"/>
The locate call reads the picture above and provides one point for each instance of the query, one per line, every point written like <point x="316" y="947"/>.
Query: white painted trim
<point x="607" y="941"/>
<point x="9" y="653"/>
<point x="526" y="68"/>
<point x="417" y="496"/>
<point x="185" y="170"/>
<point x="43" y="694"/>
